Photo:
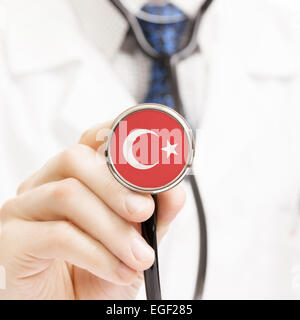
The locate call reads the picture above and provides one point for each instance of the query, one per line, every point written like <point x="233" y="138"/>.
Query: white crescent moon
<point x="127" y="149"/>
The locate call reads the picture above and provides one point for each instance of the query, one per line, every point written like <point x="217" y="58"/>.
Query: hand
<point x="73" y="231"/>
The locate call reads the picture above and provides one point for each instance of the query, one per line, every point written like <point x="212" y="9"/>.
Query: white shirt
<point x="66" y="65"/>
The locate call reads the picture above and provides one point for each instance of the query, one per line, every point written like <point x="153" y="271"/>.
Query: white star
<point x="170" y="149"/>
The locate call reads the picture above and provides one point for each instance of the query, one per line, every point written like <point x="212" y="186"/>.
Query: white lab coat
<point x="59" y="75"/>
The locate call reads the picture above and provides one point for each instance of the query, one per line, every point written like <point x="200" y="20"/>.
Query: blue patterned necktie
<point x="165" y="38"/>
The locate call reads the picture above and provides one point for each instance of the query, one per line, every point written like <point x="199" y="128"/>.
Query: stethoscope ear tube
<point x="152" y="281"/>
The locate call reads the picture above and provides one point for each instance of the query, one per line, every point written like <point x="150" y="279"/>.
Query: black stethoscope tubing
<point x="191" y="45"/>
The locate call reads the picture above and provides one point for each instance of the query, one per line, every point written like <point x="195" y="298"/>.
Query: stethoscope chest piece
<point x="150" y="148"/>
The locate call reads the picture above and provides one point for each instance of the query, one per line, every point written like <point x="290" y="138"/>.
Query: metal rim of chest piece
<point x="190" y="139"/>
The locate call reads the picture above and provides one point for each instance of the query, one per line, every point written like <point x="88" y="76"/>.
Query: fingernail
<point x="137" y="204"/>
<point x="141" y="250"/>
<point x="125" y="273"/>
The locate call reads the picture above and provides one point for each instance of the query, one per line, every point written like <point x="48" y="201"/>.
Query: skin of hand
<point x="73" y="231"/>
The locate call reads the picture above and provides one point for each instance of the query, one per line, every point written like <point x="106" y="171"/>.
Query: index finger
<point x="96" y="135"/>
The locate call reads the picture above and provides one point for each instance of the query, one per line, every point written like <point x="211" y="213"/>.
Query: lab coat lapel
<point x="244" y="83"/>
<point x="264" y="34"/>
<point x="40" y="35"/>
<point x="92" y="93"/>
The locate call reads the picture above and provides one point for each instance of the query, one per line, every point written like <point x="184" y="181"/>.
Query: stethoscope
<point x="190" y="46"/>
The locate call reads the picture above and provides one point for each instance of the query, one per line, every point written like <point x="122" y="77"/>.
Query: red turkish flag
<point x="149" y="149"/>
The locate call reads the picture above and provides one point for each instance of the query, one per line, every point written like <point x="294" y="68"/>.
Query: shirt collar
<point x="49" y="33"/>
<point x="107" y="28"/>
